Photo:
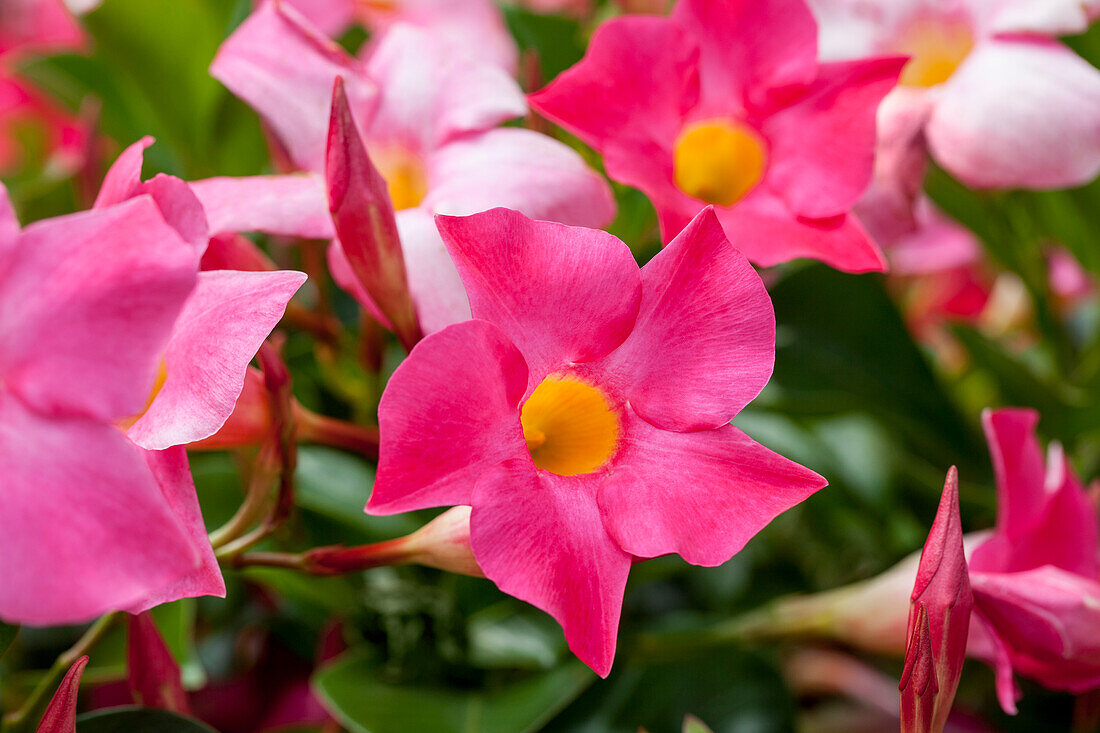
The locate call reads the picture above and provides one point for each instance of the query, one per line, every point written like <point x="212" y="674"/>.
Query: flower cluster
<point x="556" y="284"/>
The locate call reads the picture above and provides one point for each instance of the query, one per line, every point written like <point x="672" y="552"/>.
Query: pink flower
<point x="939" y="620"/>
<point x="725" y="103"/>
<point x="38" y="25"/>
<point x="473" y="28"/>
<point x="220" y="327"/>
<point x="23" y="108"/>
<point x="1037" y="578"/>
<point x="583" y="413"/>
<point x="427" y="116"/>
<point x="1002" y="102"/>
<point x="91" y="522"/>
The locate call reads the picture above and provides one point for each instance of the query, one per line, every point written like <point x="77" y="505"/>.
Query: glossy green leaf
<point x="138" y="720"/>
<point x="353" y="690"/>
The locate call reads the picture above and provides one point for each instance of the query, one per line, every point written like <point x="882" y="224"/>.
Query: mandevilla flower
<point x="725" y="103"/>
<point x="584" y="413"/>
<point x="429" y="120"/>
<point x="90" y="522"/>
<point x="1037" y="577"/>
<point x="1002" y="103"/>
<point x="219" y="329"/>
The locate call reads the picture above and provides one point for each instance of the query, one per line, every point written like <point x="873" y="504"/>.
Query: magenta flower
<point x="1001" y="101"/>
<point x="584" y="413"/>
<point x="725" y="103"/>
<point x="939" y="620"/>
<point x="90" y="521"/>
<point x="1037" y="577"/>
<point x="429" y="120"/>
<point x="221" y="325"/>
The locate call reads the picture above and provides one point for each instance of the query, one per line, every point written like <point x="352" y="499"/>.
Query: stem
<point x="27" y="716"/>
<point x="334" y="559"/>
<point x="314" y="428"/>
<point x="251" y="509"/>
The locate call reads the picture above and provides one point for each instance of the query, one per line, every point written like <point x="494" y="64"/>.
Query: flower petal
<point x="173" y="475"/>
<point x="1019" y="113"/>
<point x="631" y="90"/>
<point x="539" y="537"/>
<point x="1018" y="467"/>
<point x="768" y="233"/>
<point x="289" y="206"/>
<point x="434" y="283"/>
<point x="123" y="178"/>
<point x="87" y="303"/>
<point x="218" y="332"/>
<point x="60" y="715"/>
<point x="701" y="495"/>
<point x="822" y="147"/>
<point x="429" y="94"/>
<point x="1047" y="17"/>
<point x="331" y="17"/>
<point x="749" y="47"/>
<point x="519" y="169"/>
<point x="449" y="412"/>
<point x="560" y="294"/>
<point x="83" y="491"/>
<point x="284" y="69"/>
<point x="704" y="341"/>
<point x="9" y="222"/>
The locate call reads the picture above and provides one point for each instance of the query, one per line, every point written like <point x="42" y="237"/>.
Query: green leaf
<point x="505" y="637"/>
<point x="7" y="636"/>
<point x="138" y="720"/>
<point x="353" y="690"/>
<point x="555" y="39"/>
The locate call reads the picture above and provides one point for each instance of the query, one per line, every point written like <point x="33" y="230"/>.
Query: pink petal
<point x="1018" y="467"/>
<point x="749" y="47"/>
<point x="768" y="233"/>
<point x="363" y="217"/>
<point x="472" y="28"/>
<point x="87" y="303"/>
<point x="9" y="222"/>
<point x="123" y="178"/>
<point x="83" y="492"/>
<point x="701" y="495"/>
<point x="1019" y="113"/>
<point x="1047" y="620"/>
<point x="60" y="716"/>
<point x="1047" y="17"/>
<point x="177" y="204"/>
<point x="519" y="169"/>
<point x="284" y="69"/>
<point x="449" y="412"/>
<point x="936" y="246"/>
<point x="434" y="283"/>
<point x="331" y="17"/>
<point x="560" y="294"/>
<point x="984" y="643"/>
<point x="173" y="474"/>
<point x="704" y="341"/>
<point x="822" y="147"/>
<point x="539" y="537"/>
<point x="152" y="671"/>
<point x="430" y="94"/>
<point x="628" y="96"/>
<point x="235" y="252"/>
<point x="218" y="332"/>
<point x="289" y="206"/>
<point x="345" y="277"/>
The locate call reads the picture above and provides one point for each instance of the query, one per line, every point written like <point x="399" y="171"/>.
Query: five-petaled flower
<point x="725" y="103"/>
<point x="584" y="413"/>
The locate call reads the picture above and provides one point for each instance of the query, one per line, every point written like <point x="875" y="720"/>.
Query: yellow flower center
<point x="569" y="426"/>
<point x="935" y="48"/>
<point x="718" y="161"/>
<point x="405" y="176"/>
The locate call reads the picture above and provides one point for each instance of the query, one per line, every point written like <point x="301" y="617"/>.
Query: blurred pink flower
<point x="1037" y="577"/>
<point x="473" y="28"/>
<point x="725" y="103"/>
<point x="90" y="521"/>
<point x="1001" y="102"/>
<point x="38" y="26"/>
<point x="219" y="328"/>
<point x="584" y="413"/>
<point x="23" y="108"/>
<point x="939" y="621"/>
<point x="429" y="119"/>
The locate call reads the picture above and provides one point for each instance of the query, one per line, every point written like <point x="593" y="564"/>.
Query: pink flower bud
<point x="60" y="716"/>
